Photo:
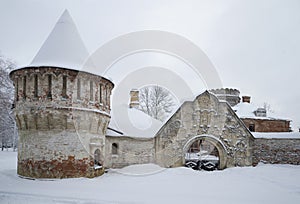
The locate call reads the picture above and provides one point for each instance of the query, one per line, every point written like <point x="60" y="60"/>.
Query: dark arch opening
<point x="97" y="159"/>
<point x="114" y="148"/>
<point x="202" y="154"/>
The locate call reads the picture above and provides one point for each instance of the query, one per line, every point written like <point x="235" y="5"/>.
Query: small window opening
<point x="49" y="94"/>
<point x="100" y="93"/>
<point x="36" y="86"/>
<point x="97" y="162"/>
<point x="24" y="86"/>
<point x="114" y="148"/>
<point x="252" y="128"/>
<point x="64" y="87"/>
<point x="91" y="91"/>
<point x="78" y="89"/>
<point x="17" y="89"/>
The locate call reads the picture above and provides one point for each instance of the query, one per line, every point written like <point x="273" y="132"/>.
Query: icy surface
<point x="262" y="184"/>
<point x="278" y="135"/>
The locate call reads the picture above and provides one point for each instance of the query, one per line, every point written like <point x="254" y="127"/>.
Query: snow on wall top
<point x="63" y="47"/>
<point x="277" y="135"/>
<point x="246" y="110"/>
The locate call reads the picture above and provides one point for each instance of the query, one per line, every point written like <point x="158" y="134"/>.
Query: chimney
<point x="246" y="99"/>
<point x="134" y="98"/>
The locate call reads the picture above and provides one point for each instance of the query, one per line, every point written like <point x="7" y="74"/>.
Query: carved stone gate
<point x="205" y="117"/>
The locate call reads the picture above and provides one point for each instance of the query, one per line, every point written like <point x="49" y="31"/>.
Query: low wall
<point x="276" y="151"/>
<point x="129" y="151"/>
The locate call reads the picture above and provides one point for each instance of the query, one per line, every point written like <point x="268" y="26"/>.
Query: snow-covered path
<point x="261" y="184"/>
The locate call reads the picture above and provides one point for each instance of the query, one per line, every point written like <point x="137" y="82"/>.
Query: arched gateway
<point x="194" y="150"/>
<point x="205" y="131"/>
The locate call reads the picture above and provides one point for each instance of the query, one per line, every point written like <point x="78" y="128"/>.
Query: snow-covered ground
<point x="152" y="184"/>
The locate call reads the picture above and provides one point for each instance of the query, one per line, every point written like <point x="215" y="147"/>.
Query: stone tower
<point x="232" y="96"/>
<point x="62" y="113"/>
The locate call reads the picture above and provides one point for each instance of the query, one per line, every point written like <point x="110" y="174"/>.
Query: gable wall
<point x="204" y="116"/>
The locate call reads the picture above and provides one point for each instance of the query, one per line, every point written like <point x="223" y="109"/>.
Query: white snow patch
<point x="139" y="169"/>
<point x="274" y="184"/>
<point x="277" y="135"/>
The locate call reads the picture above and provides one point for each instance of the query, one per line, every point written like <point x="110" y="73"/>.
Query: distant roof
<point x="246" y="110"/>
<point x="63" y="47"/>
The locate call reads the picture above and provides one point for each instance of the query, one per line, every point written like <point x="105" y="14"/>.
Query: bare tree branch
<point x="156" y="102"/>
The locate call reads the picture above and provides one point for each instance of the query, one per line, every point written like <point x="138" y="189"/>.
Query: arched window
<point x="114" y="148"/>
<point x="252" y="127"/>
<point x="97" y="162"/>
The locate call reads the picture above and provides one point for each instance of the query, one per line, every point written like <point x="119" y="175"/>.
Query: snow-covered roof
<point x="63" y="47"/>
<point x="139" y="124"/>
<point x="277" y="135"/>
<point x="246" y="110"/>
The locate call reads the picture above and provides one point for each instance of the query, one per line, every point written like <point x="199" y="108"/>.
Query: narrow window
<point x="114" y="148"/>
<point x="97" y="162"/>
<point x="17" y="89"/>
<point x="78" y="89"/>
<point x="91" y="91"/>
<point x="24" y="87"/>
<point x="252" y="128"/>
<point x="64" y="88"/>
<point x="36" y="86"/>
<point x="100" y="93"/>
<point x="106" y="95"/>
<point x="49" y="94"/>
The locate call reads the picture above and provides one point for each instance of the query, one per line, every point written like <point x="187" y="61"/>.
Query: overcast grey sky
<point x="253" y="44"/>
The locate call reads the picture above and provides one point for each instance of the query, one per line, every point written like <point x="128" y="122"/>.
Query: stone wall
<point x="205" y="117"/>
<point x="62" y="116"/>
<point x="276" y="151"/>
<point x="266" y="125"/>
<point x="129" y="151"/>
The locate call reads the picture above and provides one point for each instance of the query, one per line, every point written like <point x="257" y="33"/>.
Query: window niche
<point x="36" y="84"/>
<point x="91" y="91"/>
<point x="64" y="87"/>
<point x="97" y="159"/>
<point x="49" y="93"/>
<point x="252" y="128"/>
<point x="78" y="89"/>
<point x="114" y="149"/>
<point x="24" y="86"/>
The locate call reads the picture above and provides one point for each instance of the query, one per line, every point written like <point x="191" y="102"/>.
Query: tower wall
<point x="62" y="117"/>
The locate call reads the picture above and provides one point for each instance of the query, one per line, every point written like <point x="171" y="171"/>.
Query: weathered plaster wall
<point x="204" y="116"/>
<point x="130" y="151"/>
<point x="59" y="133"/>
<point x="276" y="151"/>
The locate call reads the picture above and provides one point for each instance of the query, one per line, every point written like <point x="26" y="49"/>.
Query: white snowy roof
<point x="246" y="110"/>
<point x="63" y="47"/>
<point x="139" y="124"/>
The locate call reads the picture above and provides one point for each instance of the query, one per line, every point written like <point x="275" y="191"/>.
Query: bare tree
<point x="156" y="102"/>
<point x="268" y="108"/>
<point x="7" y="123"/>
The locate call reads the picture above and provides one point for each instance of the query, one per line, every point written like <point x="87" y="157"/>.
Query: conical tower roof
<point x="63" y="47"/>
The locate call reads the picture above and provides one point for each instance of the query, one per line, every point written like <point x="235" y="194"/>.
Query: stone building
<point x="256" y="119"/>
<point x="259" y="119"/>
<point x="62" y="113"/>
<point x="66" y="130"/>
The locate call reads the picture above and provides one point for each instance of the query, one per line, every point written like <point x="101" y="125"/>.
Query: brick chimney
<point x="246" y="99"/>
<point x="134" y="99"/>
